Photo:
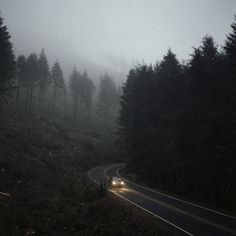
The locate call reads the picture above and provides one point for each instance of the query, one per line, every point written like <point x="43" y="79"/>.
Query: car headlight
<point x="113" y="182"/>
<point x="122" y="182"/>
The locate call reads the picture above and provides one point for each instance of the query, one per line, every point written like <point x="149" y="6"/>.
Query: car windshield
<point x="116" y="179"/>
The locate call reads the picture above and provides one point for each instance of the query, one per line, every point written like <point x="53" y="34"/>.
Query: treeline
<point x="32" y="87"/>
<point x="178" y="123"/>
<point x="34" y="78"/>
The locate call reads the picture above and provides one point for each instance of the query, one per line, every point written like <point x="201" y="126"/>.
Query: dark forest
<point x="177" y="123"/>
<point x="173" y="124"/>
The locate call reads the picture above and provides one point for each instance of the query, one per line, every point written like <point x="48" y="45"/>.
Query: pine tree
<point x="21" y="75"/>
<point x="169" y="77"/>
<point x="44" y="76"/>
<point x="230" y="50"/>
<point x="32" y="79"/>
<point x="135" y="118"/>
<point x="107" y="100"/>
<point x="75" y="86"/>
<point x="230" y="45"/>
<point x="57" y="82"/>
<point x="7" y="63"/>
<point x="169" y="67"/>
<point x="86" y="95"/>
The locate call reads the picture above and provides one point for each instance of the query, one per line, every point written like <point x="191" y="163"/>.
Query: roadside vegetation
<point x="176" y="129"/>
<point x="177" y="123"/>
<point x="46" y="189"/>
<point x="52" y="131"/>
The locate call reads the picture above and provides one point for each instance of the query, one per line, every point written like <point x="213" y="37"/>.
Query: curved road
<point x="186" y="217"/>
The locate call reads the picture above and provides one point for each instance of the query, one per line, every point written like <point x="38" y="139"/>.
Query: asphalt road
<point x="186" y="217"/>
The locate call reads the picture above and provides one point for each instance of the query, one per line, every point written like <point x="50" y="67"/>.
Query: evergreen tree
<point x="107" y="100"/>
<point x="44" y="76"/>
<point x="169" y="78"/>
<point x="75" y="86"/>
<point x="21" y="75"/>
<point x="7" y="62"/>
<point x="230" y="45"/>
<point x="86" y="95"/>
<point x="176" y="124"/>
<point x="57" y="82"/>
<point x="230" y="50"/>
<point x="32" y="79"/>
<point x="135" y="119"/>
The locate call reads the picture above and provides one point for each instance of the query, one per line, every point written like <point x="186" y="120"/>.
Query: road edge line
<point x="190" y="203"/>
<point x="89" y="174"/>
<point x="166" y="221"/>
<point x="124" y="198"/>
<point x="153" y="214"/>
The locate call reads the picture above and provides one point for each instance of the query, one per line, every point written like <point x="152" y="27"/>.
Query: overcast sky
<point x="101" y="30"/>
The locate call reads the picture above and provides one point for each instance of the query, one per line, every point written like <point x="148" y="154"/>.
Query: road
<point x="186" y="217"/>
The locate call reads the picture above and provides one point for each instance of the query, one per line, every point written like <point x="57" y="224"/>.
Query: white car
<point x="116" y="182"/>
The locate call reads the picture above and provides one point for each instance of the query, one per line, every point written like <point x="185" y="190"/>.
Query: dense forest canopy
<point x="66" y="122"/>
<point x="7" y="62"/>
<point x="178" y="122"/>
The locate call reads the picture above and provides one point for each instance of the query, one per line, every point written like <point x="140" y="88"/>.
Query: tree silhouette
<point x="21" y="75"/>
<point x="177" y="123"/>
<point x="7" y="63"/>
<point x="75" y="86"/>
<point x="44" y="76"/>
<point x="108" y="99"/>
<point x="57" y="82"/>
<point x="230" y="44"/>
<point x="32" y="79"/>
<point x="86" y="95"/>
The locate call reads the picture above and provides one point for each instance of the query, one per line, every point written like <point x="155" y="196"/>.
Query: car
<point x="116" y="182"/>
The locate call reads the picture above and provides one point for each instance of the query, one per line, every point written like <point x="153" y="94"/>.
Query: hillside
<point x="43" y="169"/>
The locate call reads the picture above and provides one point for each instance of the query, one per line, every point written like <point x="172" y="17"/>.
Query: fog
<point x="113" y="35"/>
<point x="134" y="98"/>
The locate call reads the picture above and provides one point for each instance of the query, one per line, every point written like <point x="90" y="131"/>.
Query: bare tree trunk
<point x="75" y="108"/>
<point x="88" y="118"/>
<point x="27" y="96"/>
<point x="54" y="99"/>
<point x="31" y="99"/>
<point x="40" y="95"/>
<point x="18" y="92"/>
<point x="43" y="96"/>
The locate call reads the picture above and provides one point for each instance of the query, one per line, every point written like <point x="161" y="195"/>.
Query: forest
<point x="39" y="89"/>
<point x="53" y="129"/>
<point x="172" y="122"/>
<point x="31" y="87"/>
<point x="178" y="123"/>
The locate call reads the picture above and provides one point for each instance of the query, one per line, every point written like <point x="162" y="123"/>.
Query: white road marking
<point x="180" y="200"/>
<point x="187" y="214"/>
<point x="89" y="174"/>
<point x="168" y="222"/>
<point x="105" y="173"/>
<point x="105" y="169"/>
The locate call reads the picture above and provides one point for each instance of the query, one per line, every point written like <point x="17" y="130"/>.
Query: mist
<point x="117" y="117"/>
<point x="113" y="35"/>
